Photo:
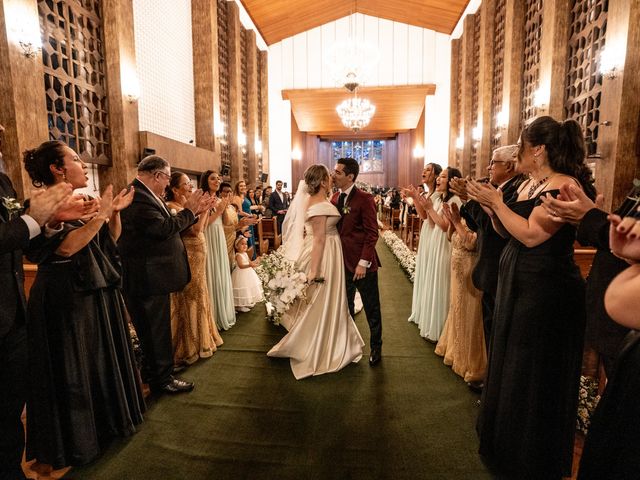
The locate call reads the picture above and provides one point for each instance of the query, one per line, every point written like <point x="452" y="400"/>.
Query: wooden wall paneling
<point x="222" y="109"/>
<point x="252" y="108"/>
<point x="485" y="85"/>
<point x="264" y="108"/>
<point x="411" y="174"/>
<point x="391" y="158"/>
<point x="512" y="76"/>
<point x="120" y="56"/>
<point x="234" y="127"/>
<point x="475" y="97"/>
<point x="23" y="111"/>
<point x="180" y="155"/>
<point x="204" y="15"/>
<point x="297" y="143"/>
<point x="553" y="55"/>
<point x="621" y="106"/>
<point x="454" y="118"/>
<point x="498" y="130"/>
<point x="467" y="93"/>
<point x="583" y="80"/>
<point x="534" y="22"/>
<point x="403" y="160"/>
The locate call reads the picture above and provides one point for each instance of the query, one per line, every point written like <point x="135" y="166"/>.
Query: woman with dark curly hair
<point x="84" y="387"/>
<point x="529" y="403"/>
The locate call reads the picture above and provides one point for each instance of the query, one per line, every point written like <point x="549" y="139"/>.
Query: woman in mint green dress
<point x="218" y="269"/>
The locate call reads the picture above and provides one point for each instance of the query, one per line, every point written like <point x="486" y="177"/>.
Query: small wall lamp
<point x="296" y="154"/>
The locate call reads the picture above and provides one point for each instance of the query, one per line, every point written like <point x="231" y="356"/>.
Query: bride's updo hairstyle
<point x="564" y="143"/>
<point x="38" y="160"/>
<point x="313" y="176"/>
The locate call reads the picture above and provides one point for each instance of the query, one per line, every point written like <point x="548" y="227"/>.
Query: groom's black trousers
<point x="368" y="288"/>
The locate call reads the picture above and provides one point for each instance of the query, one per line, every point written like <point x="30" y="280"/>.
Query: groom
<point x="358" y="229"/>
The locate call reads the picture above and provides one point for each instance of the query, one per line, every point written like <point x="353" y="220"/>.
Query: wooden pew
<point x="268" y="236"/>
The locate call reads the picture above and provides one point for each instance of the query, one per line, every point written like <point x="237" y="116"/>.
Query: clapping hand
<point x="123" y="199"/>
<point x="44" y="204"/>
<point x="571" y="205"/>
<point x="459" y="187"/>
<point x="411" y="191"/>
<point x="75" y="207"/>
<point x="105" y="207"/>
<point x="484" y="193"/>
<point x="624" y="237"/>
<point x="452" y="213"/>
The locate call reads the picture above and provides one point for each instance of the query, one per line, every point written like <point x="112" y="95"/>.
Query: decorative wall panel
<point x="459" y="100"/>
<point x="244" y="83"/>
<point x="74" y="76"/>
<point x="260" y="113"/>
<point x="475" y="86"/>
<point x="583" y="86"/>
<point x="164" y="64"/>
<point x="498" y="71"/>
<point x="223" y="69"/>
<point x="531" y="59"/>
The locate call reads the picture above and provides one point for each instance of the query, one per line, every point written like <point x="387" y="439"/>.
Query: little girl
<point x="247" y="288"/>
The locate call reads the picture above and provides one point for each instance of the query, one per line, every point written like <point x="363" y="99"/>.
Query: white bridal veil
<point x="293" y="225"/>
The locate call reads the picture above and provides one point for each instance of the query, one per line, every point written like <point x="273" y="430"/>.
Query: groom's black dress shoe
<point x="376" y="356"/>
<point x="174" y="385"/>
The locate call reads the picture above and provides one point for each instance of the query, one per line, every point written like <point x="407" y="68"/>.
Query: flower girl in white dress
<point x="247" y="287"/>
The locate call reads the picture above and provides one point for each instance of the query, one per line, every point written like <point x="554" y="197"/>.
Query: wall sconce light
<point x="29" y="50"/>
<point x="460" y="142"/>
<point x="418" y="152"/>
<point x="296" y="154"/>
<point x="476" y="133"/>
<point x="611" y="61"/>
<point x="502" y="119"/>
<point x="541" y="98"/>
<point x="258" y="147"/>
<point x="242" y="139"/>
<point x="130" y="84"/>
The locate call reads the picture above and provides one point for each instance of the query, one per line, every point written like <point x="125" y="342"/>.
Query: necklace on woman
<point x="535" y="186"/>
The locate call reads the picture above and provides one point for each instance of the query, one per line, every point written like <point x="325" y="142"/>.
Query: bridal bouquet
<point x="406" y="258"/>
<point x="281" y="282"/>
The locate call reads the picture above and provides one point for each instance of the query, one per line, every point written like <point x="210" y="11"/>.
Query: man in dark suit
<point x="602" y="333"/>
<point x="16" y="231"/>
<point x="155" y="264"/>
<point x="358" y="230"/>
<point x="278" y="204"/>
<point x="502" y="174"/>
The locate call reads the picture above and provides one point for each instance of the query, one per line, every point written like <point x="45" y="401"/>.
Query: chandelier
<point x="356" y="112"/>
<point x="352" y="61"/>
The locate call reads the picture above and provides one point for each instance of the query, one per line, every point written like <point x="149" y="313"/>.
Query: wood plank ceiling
<point x="398" y="109"/>
<point x="280" y="19"/>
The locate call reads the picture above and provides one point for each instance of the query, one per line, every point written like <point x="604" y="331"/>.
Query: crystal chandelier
<point x="352" y="61"/>
<point x="356" y="112"/>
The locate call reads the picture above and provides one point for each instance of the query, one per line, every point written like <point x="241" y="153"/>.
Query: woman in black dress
<point x="612" y="447"/>
<point x="529" y="403"/>
<point x="84" y="388"/>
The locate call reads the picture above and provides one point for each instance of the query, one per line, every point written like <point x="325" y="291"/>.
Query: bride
<point x="322" y="335"/>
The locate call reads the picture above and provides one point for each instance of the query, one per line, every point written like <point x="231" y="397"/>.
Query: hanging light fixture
<point x="353" y="60"/>
<point x="356" y="112"/>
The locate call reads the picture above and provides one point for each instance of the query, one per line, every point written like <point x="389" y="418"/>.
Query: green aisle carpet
<point x="410" y="417"/>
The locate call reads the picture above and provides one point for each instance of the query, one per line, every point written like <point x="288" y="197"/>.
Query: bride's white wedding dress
<point x="322" y="335"/>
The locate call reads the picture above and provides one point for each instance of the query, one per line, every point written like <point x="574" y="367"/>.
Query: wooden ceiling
<point x="280" y="19"/>
<point x="398" y="109"/>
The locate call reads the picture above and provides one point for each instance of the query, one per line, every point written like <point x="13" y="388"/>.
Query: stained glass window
<point x="368" y="153"/>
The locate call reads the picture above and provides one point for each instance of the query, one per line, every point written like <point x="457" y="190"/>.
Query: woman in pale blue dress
<point x="218" y="269"/>
<point x="430" y="302"/>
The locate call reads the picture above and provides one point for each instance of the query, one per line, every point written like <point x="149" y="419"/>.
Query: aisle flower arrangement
<point x="282" y="283"/>
<point x="406" y="258"/>
<point x="588" y="399"/>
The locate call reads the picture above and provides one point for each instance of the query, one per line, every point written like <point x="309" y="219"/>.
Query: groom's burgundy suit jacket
<point x="358" y="229"/>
